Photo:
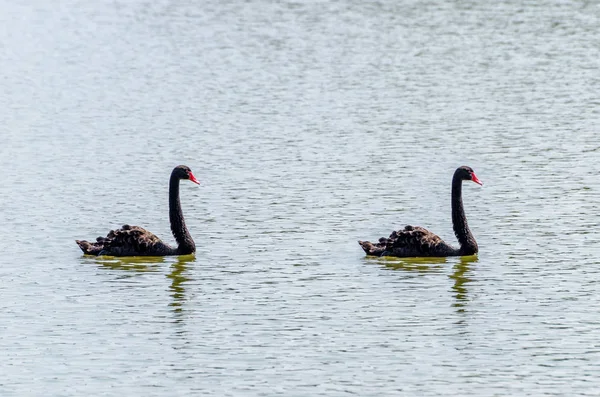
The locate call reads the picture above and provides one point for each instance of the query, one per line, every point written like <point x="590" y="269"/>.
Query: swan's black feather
<point x="411" y="241"/>
<point x="127" y="241"/>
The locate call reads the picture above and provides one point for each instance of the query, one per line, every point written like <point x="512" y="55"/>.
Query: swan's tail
<point x="371" y="249"/>
<point x="90" y="248"/>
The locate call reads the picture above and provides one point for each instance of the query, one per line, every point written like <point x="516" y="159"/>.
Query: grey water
<point x="310" y="125"/>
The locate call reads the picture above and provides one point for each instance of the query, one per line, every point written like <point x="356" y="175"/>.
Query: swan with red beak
<point x="137" y="241"/>
<point x="416" y="241"/>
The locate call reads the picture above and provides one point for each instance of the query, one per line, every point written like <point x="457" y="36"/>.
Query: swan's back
<point x="127" y="241"/>
<point x="412" y="241"/>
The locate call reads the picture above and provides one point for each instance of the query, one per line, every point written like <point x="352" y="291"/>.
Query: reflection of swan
<point x="178" y="276"/>
<point x="419" y="265"/>
<point x="461" y="280"/>
<point x="137" y="265"/>
<point x="133" y="263"/>
<point x="460" y="271"/>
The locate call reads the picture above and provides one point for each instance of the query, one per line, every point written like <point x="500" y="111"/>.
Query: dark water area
<point x="310" y="125"/>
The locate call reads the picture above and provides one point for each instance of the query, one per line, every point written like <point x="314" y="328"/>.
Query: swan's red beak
<point x="193" y="179"/>
<point x="475" y="179"/>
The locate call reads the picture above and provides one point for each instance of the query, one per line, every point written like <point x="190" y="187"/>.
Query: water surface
<point x="310" y="125"/>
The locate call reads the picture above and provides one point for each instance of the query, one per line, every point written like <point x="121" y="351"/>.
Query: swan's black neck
<point x="185" y="243"/>
<point x="468" y="245"/>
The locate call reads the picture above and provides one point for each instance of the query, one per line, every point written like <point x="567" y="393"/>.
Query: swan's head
<point x="467" y="174"/>
<point x="184" y="172"/>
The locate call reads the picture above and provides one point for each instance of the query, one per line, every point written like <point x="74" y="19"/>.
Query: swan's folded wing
<point x="415" y="237"/>
<point x="130" y="240"/>
<point x="127" y="241"/>
<point x="412" y="241"/>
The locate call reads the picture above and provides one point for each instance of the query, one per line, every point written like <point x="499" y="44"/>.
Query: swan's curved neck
<point x="185" y="243"/>
<point x="468" y="245"/>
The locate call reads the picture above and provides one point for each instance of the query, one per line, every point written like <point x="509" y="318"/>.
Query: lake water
<point x="311" y="125"/>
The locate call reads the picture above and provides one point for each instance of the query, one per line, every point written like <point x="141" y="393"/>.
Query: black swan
<point x="415" y="241"/>
<point x="136" y="241"/>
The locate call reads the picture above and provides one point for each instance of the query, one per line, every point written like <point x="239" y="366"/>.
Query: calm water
<point x="311" y="125"/>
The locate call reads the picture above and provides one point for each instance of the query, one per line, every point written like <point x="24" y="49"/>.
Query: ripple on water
<point x="310" y="126"/>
